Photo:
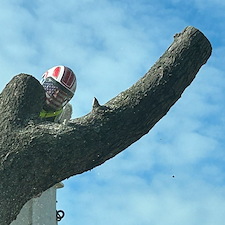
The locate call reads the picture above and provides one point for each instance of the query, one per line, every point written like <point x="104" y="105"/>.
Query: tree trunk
<point x="35" y="155"/>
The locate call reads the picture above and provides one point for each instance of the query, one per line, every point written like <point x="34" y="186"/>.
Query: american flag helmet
<point x="60" y="84"/>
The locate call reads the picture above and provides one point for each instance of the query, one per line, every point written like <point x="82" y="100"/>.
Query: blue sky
<point x="110" y="44"/>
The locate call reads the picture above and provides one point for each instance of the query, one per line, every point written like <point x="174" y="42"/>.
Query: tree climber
<point x="59" y="84"/>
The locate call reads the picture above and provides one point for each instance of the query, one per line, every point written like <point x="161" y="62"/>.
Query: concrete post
<point x="40" y="210"/>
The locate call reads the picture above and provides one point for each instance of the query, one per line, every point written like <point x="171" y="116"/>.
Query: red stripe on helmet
<point x="68" y="78"/>
<point x="56" y="72"/>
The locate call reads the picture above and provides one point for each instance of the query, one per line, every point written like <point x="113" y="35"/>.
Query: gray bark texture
<point x="35" y="155"/>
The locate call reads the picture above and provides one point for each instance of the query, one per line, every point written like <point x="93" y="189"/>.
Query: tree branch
<point x="35" y="155"/>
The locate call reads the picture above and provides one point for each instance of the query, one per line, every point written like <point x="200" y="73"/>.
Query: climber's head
<point x="59" y="84"/>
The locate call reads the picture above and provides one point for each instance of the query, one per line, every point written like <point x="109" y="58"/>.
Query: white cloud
<point x="184" y="199"/>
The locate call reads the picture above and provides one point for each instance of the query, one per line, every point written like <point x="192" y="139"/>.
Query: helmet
<point x="59" y="83"/>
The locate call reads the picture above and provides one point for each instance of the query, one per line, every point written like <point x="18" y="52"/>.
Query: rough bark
<point x="35" y="155"/>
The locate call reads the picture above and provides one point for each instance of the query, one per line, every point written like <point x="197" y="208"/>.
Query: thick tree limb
<point x="36" y="155"/>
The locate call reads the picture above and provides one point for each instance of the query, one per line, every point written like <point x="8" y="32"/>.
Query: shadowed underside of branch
<point x="35" y="155"/>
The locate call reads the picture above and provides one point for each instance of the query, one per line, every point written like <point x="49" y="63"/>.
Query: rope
<point x="59" y="215"/>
